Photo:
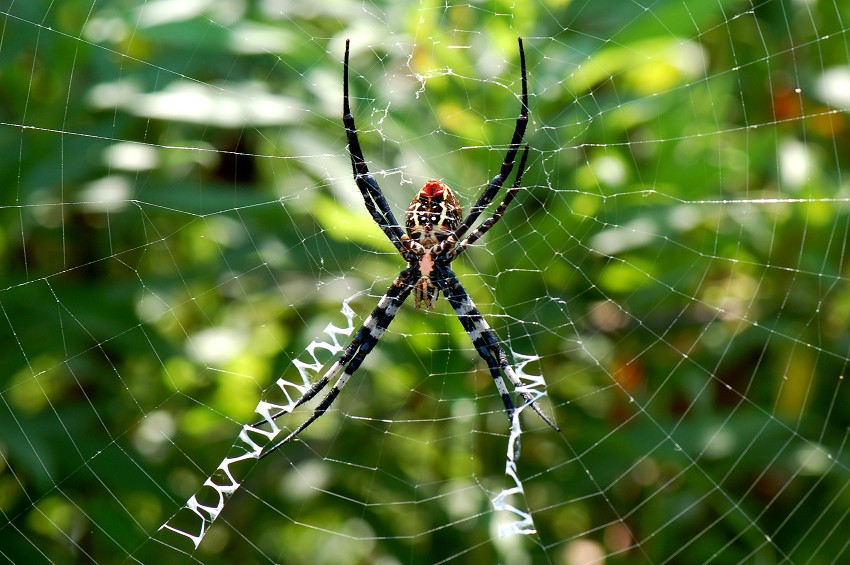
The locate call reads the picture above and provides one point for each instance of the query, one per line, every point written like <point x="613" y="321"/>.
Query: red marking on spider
<point x="432" y="189"/>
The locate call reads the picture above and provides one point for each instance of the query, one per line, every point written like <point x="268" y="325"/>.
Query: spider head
<point x="434" y="213"/>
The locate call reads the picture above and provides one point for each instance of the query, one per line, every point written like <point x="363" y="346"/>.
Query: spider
<point x="432" y="239"/>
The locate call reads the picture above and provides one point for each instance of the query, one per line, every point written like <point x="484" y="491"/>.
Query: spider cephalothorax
<point x="435" y="235"/>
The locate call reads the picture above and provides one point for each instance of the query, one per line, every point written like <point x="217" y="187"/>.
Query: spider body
<point x="435" y="235"/>
<point x="432" y="218"/>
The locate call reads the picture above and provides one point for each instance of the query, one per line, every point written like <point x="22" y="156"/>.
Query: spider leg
<point x="497" y="215"/>
<point x="507" y="165"/>
<point x="351" y="358"/>
<point x="374" y="199"/>
<point x="485" y="341"/>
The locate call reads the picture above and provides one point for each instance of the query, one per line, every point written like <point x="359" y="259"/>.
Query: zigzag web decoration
<point x="194" y="519"/>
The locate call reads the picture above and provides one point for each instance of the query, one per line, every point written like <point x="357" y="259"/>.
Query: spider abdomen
<point x="434" y="213"/>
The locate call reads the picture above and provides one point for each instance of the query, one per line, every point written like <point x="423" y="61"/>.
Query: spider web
<point x="181" y="234"/>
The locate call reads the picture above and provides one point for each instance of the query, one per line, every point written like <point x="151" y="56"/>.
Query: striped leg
<point x="374" y="199"/>
<point x="497" y="215"/>
<point x="353" y="355"/>
<point x="485" y="341"/>
<point x="508" y="164"/>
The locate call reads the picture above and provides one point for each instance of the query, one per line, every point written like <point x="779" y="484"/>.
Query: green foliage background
<point x="694" y="345"/>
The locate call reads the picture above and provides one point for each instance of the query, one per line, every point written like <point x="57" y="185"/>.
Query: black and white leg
<point x="375" y="201"/>
<point x="507" y="165"/>
<point x="497" y="215"/>
<point x="485" y="341"/>
<point x="351" y="358"/>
